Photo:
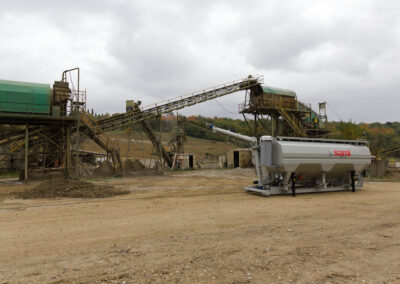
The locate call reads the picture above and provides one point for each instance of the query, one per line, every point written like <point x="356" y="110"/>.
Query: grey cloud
<point x="343" y="52"/>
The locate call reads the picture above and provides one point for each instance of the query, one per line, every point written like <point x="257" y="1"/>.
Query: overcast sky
<point x="346" y="53"/>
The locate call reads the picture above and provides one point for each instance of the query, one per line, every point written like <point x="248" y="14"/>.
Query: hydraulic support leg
<point x="353" y="181"/>
<point x="324" y="180"/>
<point x="293" y="180"/>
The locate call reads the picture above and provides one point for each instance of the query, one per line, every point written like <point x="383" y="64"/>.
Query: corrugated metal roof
<point x="278" y="91"/>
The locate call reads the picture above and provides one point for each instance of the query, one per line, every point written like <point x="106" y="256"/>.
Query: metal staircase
<point x="89" y="126"/>
<point x="160" y="150"/>
<point x="293" y="122"/>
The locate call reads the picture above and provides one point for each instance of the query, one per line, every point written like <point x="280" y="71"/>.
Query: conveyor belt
<point x="125" y="119"/>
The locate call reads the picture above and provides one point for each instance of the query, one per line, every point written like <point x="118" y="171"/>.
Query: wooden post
<point x="26" y="153"/>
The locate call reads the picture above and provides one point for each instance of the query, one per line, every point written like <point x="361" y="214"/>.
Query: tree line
<point x="381" y="136"/>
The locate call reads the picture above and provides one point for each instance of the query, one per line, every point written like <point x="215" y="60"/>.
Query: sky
<point x="346" y="53"/>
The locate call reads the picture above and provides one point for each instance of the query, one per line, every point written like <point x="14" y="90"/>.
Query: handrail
<point x="291" y="120"/>
<point x="258" y="77"/>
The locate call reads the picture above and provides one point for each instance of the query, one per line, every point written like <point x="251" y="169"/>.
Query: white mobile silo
<point x="286" y="165"/>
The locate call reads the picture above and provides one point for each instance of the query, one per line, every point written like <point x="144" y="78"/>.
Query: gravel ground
<point x="200" y="227"/>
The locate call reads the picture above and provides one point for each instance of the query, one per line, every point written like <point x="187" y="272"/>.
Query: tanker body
<point x="310" y="165"/>
<point x="286" y="165"/>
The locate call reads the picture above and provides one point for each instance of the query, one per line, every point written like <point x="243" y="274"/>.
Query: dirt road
<point x="200" y="227"/>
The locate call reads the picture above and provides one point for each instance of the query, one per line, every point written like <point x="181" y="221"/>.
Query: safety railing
<point x="292" y="121"/>
<point x="257" y="77"/>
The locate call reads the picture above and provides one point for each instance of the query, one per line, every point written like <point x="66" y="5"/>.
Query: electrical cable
<point x="342" y="112"/>
<point x="224" y="108"/>
<point x="331" y="108"/>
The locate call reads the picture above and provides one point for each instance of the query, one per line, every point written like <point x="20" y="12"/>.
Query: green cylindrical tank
<point x="23" y="97"/>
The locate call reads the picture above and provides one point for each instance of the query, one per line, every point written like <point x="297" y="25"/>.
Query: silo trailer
<point x="290" y="165"/>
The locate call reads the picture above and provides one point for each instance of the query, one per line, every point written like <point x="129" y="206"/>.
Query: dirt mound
<point x="72" y="188"/>
<point x="86" y="170"/>
<point x="104" y="170"/>
<point x="136" y="165"/>
<point x="133" y="166"/>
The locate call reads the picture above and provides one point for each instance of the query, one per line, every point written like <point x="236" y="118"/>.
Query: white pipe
<point x="246" y="138"/>
<point x="252" y="140"/>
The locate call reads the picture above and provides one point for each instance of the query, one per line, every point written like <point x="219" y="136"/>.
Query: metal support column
<point x="68" y="154"/>
<point x="77" y="145"/>
<point x="255" y="126"/>
<point x="272" y="126"/>
<point x="26" y="153"/>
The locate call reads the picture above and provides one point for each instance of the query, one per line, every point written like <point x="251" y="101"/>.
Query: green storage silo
<point x="22" y="97"/>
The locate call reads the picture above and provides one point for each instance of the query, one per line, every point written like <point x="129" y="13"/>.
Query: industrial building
<point x="239" y="158"/>
<point x="285" y="114"/>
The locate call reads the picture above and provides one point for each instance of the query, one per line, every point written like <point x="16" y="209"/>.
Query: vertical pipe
<point x="79" y="78"/>
<point x="26" y="153"/>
